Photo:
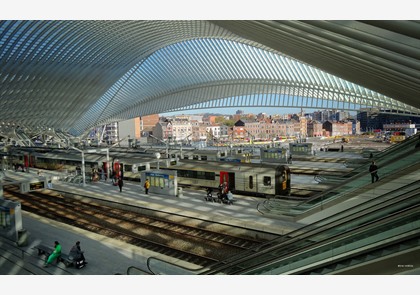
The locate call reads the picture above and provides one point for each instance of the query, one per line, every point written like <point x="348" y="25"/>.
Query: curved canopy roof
<point x="74" y="75"/>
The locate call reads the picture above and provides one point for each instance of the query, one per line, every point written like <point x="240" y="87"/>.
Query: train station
<point x="335" y="206"/>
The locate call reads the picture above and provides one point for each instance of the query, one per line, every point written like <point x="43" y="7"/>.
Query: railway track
<point x="191" y="241"/>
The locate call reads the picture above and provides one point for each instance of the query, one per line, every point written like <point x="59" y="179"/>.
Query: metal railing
<point x="381" y="213"/>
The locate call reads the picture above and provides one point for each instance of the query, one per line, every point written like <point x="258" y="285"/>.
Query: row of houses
<point x="247" y="130"/>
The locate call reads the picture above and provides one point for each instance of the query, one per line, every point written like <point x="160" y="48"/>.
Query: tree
<point x="223" y="121"/>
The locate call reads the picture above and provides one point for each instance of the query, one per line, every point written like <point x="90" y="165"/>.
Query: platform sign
<point x="154" y="174"/>
<point x="161" y="181"/>
<point x="36" y="185"/>
<point x="273" y="155"/>
<point x="32" y="185"/>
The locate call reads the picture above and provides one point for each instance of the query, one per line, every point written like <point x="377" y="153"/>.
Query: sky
<point x="232" y="111"/>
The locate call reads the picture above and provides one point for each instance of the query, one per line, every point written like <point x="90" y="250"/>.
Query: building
<point x="338" y="128"/>
<point x="147" y="123"/>
<point x="314" y="128"/>
<point x="372" y="119"/>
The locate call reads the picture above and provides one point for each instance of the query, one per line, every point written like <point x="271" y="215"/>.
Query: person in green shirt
<point x="55" y="254"/>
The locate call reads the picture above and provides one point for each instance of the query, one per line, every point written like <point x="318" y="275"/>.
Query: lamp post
<point x="95" y="151"/>
<point x="107" y="157"/>
<point x="166" y="143"/>
<point x="157" y="155"/>
<point x="83" y="165"/>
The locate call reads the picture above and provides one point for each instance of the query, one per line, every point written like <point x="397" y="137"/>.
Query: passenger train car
<point x="244" y="178"/>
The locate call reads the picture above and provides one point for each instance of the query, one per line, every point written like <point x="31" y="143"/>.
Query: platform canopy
<point x="73" y="75"/>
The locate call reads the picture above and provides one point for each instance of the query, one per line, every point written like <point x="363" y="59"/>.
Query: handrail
<point x="191" y="270"/>
<point x="292" y="247"/>
<point x="380" y="228"/>
<point x="402" y="146"/>
<point x="306" y="232"/>
<point x="137" y="268"/>
<point x="322" y="197"/>
<point x="390" y="151"/>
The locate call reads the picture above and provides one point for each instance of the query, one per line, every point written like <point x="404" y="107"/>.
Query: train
<point x="261" y="180"/>
<point x="243" y="178"/>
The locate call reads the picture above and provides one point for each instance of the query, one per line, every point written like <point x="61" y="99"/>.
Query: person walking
<point x="147" y="186"/>
<point x="373" y="169"/>
<point x="55" y="254"/>
<point x="120" y="183"/>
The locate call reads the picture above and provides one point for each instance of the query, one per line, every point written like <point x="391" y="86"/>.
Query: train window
<point x="205" y="175"/>
<point x="201" y="175"/>
<point x="195" y="157"/>
<point x="141" y="168"/>
<point x="203" y="158"/>
<point x="186" y="173"/>
<point x="267" y="180"/>
<point x="128" y="168"/>
<point x="210" y="175"/>
<point x="251" y="182"/>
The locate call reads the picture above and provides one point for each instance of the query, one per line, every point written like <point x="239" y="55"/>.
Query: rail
<point x="9" y="247"/>
<point x="394" y="228"/>
<point x="393" y="152"/>
<point x="135" y="268"/>
<point x="327" y="230"/>
<point x="186" y="269"/>
<point x="408" y="161"/>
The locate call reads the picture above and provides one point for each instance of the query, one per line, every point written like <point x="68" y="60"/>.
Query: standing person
<point x="373" y="169"/>
<point x="55" y="254"/>
<point x="120" y="183"/>
<point x="147" y="186"/>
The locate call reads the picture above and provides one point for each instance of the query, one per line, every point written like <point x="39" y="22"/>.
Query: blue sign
<point x="154" y="174"/>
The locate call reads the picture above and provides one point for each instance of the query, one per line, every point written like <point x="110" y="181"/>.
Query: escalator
<point x="409" y="162"/>
<point x="370" y="231"/>
<point x="390" y="154"/>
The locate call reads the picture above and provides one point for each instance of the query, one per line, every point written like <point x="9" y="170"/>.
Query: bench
<point x="45" y="250"/>
<point x="64" y="258"/>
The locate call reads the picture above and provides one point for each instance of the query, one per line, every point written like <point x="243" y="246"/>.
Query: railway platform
<point x="108" y="256"/>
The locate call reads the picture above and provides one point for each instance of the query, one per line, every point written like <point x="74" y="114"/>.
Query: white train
<point x="244" y="178"/>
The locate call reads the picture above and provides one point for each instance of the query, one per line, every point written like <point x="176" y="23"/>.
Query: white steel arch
<point x="74" y="75"/>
